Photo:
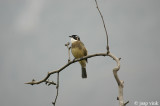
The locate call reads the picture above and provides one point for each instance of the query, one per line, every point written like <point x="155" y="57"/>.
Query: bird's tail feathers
<point x="84" y="73"/>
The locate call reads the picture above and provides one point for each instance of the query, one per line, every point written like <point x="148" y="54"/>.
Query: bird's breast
<point x="77" y="53"/>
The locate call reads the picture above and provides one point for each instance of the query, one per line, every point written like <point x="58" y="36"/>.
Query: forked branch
<point x="33" y="82"/>
<point x="116" y="69"/>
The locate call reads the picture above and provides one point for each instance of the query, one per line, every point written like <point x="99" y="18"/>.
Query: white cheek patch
<point x="73" y="40"/>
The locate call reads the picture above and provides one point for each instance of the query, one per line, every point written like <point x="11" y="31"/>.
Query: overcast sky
<point x="32" y="38"/>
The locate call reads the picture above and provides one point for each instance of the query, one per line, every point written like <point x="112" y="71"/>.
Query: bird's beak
<point x="70" y="36"/>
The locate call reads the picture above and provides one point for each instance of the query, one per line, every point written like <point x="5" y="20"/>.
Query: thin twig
<point x="50" y="83"/>
<point x="67" y="44"/>
<point x="47" y="82"/>
<point x="103" y="25"/>
<point x="57" y="87"/>
<point x="126" y="103"/>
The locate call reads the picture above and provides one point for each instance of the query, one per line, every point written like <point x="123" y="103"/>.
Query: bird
<point x="78" y="51"/>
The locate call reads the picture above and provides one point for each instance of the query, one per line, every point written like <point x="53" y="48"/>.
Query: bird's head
<point x="74" y="38"/>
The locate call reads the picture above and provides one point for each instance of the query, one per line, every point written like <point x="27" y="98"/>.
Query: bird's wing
<point x="84" y="50"/>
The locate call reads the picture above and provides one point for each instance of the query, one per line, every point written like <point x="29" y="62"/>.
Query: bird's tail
<point x="84" y="73"/>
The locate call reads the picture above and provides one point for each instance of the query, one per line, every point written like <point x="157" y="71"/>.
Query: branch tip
<point x="103" y="25"/>
<point x="122" y="82"/>
<point x="126" y="103"/>
<point x="53" y="103"/>
<point x="67" y="44"/>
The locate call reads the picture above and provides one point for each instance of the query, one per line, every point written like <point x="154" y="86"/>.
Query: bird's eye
<point x="77" y="38"/>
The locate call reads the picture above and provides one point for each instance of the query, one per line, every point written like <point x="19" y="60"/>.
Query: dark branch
<point x="50" y="83"/>
<point x="126" y="103"/>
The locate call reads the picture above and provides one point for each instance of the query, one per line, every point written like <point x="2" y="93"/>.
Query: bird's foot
<point x="74" y="59"/>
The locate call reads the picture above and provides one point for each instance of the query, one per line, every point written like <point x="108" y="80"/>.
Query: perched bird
<point x="78" y="51"/>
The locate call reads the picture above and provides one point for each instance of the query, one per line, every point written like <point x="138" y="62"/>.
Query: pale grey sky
<point x="32" y="38"/>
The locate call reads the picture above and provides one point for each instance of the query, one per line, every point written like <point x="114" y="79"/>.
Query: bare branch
<point x="57" y="87"/>
<point x="67" y="44"/>
<point x="115" y="70"/>
<point x="126" y="103"/>
<point x="103" y="25"/>
<point x="50" y="82"/>
<point x="33" y="82"/>
<point x="120" y="83"/>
